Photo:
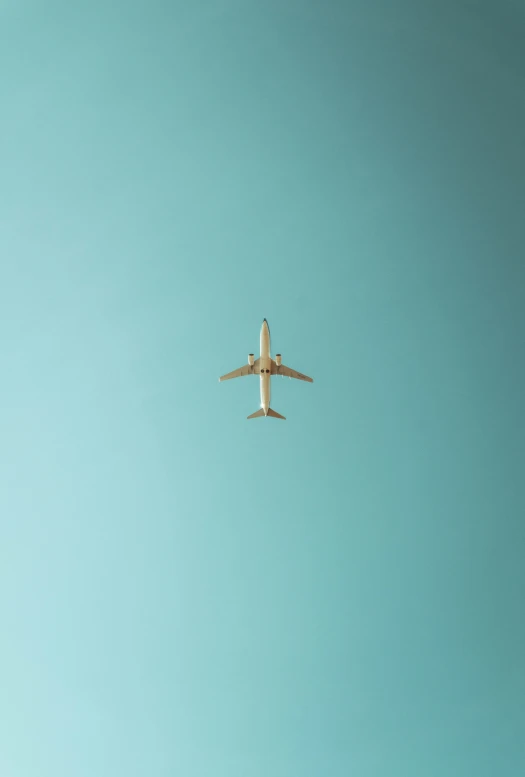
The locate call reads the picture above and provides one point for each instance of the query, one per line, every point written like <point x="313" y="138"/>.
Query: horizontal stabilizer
<point x="258" y="414"/>
<point x="271" y="413"/>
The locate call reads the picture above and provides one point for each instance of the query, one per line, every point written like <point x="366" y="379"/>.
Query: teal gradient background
<point x="184" y="592"/>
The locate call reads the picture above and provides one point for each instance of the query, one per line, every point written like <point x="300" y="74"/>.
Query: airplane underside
<point x="265" y="367"/>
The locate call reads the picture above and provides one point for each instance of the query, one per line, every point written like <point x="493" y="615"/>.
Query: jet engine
<point x="278" y="359"/>
<point x="251" y="359"/>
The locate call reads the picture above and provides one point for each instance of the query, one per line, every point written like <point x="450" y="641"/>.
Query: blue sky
<point x="185" y="592"/>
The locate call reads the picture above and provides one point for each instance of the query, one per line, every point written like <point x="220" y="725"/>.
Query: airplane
<point x="265" y="366"/>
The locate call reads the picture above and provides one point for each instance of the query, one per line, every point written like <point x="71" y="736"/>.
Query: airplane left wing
<point x="242" y="371"/>
<point x="289" y="373"/>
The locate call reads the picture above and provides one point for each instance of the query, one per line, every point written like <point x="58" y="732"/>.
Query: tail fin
<point x="271" y="413"/>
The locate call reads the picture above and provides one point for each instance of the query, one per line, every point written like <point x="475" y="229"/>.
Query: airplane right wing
<point x="289" y="373"/>
<point x="242" y="371"/>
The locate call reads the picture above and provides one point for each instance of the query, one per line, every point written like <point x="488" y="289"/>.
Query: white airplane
<point x="265" y="366"/>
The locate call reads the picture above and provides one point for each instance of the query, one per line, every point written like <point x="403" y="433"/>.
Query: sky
<point x="184" y="592"/>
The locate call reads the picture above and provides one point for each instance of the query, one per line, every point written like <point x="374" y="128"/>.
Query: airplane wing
<point x="283" y="370"/>
<point x="242" y="371"/>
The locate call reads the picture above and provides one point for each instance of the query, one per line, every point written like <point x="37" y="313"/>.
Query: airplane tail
<point x="271" y="413"/>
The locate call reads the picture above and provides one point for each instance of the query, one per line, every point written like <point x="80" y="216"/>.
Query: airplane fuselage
<point x="266" y="367"/>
